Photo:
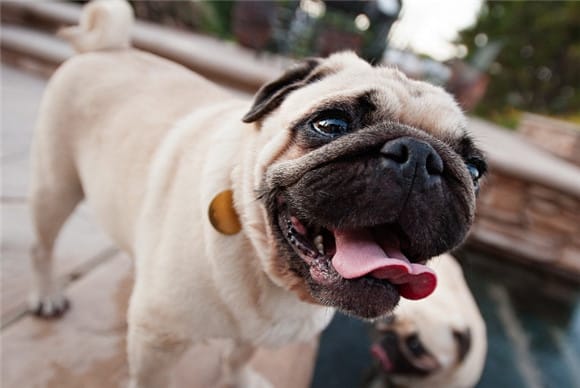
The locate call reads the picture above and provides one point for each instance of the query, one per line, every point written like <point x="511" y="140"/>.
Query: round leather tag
<point x="222" y="214"/>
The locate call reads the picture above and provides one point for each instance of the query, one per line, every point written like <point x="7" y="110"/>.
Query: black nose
<point x="413" y="156"/>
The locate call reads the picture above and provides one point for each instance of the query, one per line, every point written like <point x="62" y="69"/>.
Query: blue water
<point x="537" y="345"/>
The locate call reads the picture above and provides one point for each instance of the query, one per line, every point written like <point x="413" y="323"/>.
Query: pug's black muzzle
<point x="398" y="176"/>
<point x="392" y="181"/>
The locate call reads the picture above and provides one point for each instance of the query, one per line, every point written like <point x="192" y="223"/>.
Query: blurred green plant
<point x="215" y="17"/>
<point x="212" y="17"/>
<point x="538" y="67"/>
<point x="507" y="118"/>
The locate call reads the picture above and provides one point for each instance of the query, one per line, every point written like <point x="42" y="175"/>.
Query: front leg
<point x="152" y="356"/>
<point x="155" y="342"/>
<point x="236" y="373"/>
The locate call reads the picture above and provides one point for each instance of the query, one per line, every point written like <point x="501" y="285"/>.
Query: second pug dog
<point x="437" y="342"/>
<point x="248" y="222"/>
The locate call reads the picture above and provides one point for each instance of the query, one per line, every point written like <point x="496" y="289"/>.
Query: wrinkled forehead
<point x="394" y="97"/>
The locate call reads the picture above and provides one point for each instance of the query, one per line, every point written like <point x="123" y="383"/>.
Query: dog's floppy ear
<point x="271" y="95"/>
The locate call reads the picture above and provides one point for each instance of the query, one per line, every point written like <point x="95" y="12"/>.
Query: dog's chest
<point x="288" y="328"/>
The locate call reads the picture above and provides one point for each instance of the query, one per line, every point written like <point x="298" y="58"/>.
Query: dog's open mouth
<point x="375" y="253"/>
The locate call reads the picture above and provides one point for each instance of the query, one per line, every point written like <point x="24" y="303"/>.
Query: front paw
<point x="48" y="306"/>
<point x="253" y="379"/>
<point x="246" y="378"/>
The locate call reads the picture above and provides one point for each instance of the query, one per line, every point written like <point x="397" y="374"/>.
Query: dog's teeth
<point x="319" y="243"/>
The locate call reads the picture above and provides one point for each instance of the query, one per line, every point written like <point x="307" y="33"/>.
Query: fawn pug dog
<point x="439" y="341"/>
<point x="251" y="222"/>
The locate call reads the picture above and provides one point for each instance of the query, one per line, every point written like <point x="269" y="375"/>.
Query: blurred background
<point x="523" y="57"/>
<point x="514" y="67"/>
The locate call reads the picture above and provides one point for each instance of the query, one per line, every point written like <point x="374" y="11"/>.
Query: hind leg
<point x="55" y="192"/>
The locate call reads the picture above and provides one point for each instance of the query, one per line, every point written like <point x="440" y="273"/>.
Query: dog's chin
<point x="311" y="253"/>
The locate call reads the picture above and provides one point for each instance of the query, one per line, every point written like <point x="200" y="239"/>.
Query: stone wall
<point x="558" y="137"/>
<point x="530" y="221"/>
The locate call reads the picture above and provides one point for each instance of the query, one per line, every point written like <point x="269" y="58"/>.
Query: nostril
<point x="398" y="152"/>
<point x="434" y="164"/>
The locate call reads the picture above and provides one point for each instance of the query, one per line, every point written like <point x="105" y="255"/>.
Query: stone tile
<point x="15" y="175"/>
<point x="87" y="344"/>
<point x="86" y="348"/>
<point x="20" y="96"/>
<point x="80" y="242"/>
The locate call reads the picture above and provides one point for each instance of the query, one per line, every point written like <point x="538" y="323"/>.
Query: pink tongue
<point x="358" y="254"/>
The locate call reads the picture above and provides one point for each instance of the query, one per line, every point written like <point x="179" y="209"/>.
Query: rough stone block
<point x="505" y="196"/>
<point x="558" y="137"/>
<point x="571" y="258"/>
<point x="558" y="225"/>
<point x="504" y="244"/>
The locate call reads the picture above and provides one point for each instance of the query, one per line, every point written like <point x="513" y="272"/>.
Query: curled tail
<point x="104" y="25"/>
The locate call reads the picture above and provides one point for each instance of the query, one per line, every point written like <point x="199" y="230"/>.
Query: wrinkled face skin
<point x="365" y="176"/>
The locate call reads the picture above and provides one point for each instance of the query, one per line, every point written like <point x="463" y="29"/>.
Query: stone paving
<point x="86" y="348"/>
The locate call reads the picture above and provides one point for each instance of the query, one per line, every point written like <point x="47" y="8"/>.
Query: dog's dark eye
<point x="415" y="346"/>
<point x="476" y="168"/>
<point x="330" y="126"/>
<point x="474" y="172"/>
